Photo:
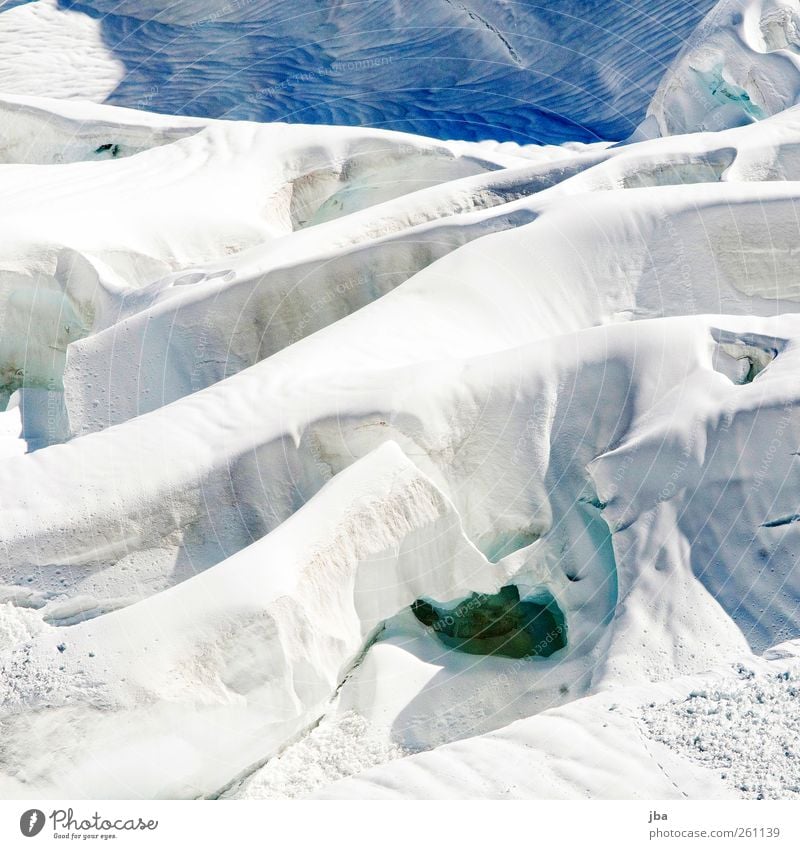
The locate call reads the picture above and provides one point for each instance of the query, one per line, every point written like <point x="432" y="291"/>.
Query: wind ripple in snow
<point x="521" y="72"/>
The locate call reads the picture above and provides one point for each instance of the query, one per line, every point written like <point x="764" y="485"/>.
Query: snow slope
<point x="266" y="386"/>
<point x="740" y="65"/>
<point x="471" y="69"/>
<point x="634" y="742"/>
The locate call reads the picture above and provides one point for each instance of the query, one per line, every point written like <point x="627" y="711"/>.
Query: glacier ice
<point x="480" y="458"/>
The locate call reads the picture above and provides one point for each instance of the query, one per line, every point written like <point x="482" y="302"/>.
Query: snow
<point x="340" y="746"/>
<point x="636" y="742"/>
<point x="465" y="69"/>
<point x="717" y="728"/>
<point x="30" y="33"/>
<point x="265" y="385"/>
<point x="252" y="652"/>
<point x="740" y="65"/>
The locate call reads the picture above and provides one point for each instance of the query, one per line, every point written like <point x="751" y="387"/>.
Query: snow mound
<point x="742" y="64"/>
<point x="252" y="652"/>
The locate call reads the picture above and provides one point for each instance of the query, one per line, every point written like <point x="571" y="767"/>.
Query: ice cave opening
<point x="501" y="624"/>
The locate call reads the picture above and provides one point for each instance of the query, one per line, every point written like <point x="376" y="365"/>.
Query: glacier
<point x="467" y="69"/>
<point x="310" y="404"/>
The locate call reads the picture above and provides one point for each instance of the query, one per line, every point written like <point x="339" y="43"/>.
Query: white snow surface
<point x="728" y="733"/>
<point x="264" y="385"/>
<point x="339" y="747"/>
<point x="740" y="65"/>
<point x="717" y="727"/>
